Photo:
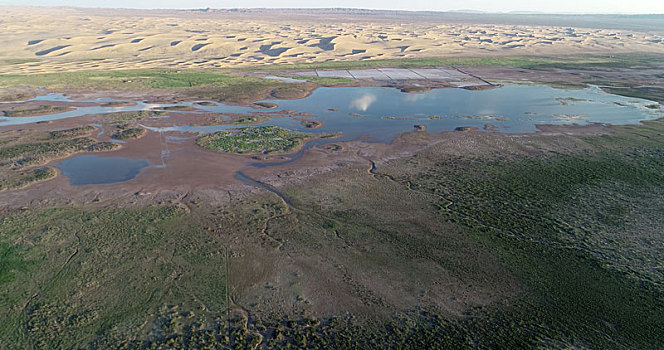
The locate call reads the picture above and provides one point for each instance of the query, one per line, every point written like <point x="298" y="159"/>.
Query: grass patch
<point x="129" y="79"/>
<point x="570" y="62"/>
<point x="58" y="294"/>
<point x="193" y="83"/>
<point x="11" y="263"/>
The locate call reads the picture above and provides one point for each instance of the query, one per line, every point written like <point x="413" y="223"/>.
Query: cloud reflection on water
<point x="363" y="103"/>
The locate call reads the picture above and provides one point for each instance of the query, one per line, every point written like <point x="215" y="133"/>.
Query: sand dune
<point x="59" y="39"/>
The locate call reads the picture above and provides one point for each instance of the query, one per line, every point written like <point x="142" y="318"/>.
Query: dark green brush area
<point x="254" y="140"/>
<point x="71" y="276"/>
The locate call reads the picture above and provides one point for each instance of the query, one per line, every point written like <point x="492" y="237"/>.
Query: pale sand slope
<point x="67" y="39"/>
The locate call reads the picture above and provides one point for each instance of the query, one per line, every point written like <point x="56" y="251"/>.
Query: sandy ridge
<point x="67" y="39"/>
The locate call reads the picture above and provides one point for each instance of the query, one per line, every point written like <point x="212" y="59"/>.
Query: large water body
<point x="380" y="114"/>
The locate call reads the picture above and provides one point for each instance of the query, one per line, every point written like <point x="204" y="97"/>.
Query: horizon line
<point x="462" y="11"/>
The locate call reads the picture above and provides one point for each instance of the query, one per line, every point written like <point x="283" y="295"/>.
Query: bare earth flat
<point x="68" y="39"/>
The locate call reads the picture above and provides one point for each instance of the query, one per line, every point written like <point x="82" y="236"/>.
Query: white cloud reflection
<point x="412" y="98"/>
<point x="363" y="103"/>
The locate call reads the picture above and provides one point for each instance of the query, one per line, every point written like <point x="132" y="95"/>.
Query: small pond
<point x="89" y="169"/>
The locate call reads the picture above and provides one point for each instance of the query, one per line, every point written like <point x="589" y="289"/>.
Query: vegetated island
<point x="257" y="140"/>
<point x="36" y="111"/>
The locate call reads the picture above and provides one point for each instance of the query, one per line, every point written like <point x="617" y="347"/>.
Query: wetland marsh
<point x="330" y="179"/>
<point x="197" y="223"/>
<point x="372" y="114"/>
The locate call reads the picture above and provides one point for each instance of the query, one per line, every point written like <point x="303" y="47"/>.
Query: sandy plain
<point x="68" y="39"/>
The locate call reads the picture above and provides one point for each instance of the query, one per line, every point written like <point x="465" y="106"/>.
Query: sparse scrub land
<point x="266" y="105"/>
<point x="127" y="132"/>
<point x="73" y="132"/>
<point x="525" y="210"/>
<point x="311" y="124"/>
<point x="37" y="153"/>
<point x="133" y="116"/>
<point x="22" y="158"/>
<point x="102" y="147"/>
<point x="118" y="104"/>
<point x="16" y="94"/>
<point x="15" y="180"/>
<point x="178" y="108"/>
<point x="254" y="140"/>
<point x="36" y="111"/>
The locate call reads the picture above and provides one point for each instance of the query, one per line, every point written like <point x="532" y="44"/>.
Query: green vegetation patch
<point x="198" y="84"/>
<point x="11" y="263"/>
<point x="254" y="140"/>
<point x="127" y="79"/>
<point x="244" y="119"/>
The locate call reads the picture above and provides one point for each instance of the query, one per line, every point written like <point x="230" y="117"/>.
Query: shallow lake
<point x="380" y="114"/>
<point x="91" y="169"/>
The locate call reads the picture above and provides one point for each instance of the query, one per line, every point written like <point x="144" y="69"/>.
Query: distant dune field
<point x="38" y="40"/>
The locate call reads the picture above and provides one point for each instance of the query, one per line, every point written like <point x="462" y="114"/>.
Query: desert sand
<point x="40" y="40"/>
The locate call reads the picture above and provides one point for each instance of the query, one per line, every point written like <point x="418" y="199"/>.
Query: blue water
<point x="509" y="109"/>
<point x="378" y="115"/>
<point x="383" y="113"/>
<point x="91" y="169"/>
